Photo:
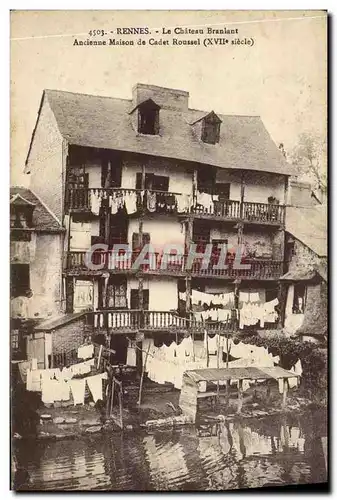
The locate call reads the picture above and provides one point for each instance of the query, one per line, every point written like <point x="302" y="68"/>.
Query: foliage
<point x="310" y="158"/>
<point x="313" y="358"/>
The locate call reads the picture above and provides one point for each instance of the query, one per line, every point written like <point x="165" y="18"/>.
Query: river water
<point x="250" y="453"/>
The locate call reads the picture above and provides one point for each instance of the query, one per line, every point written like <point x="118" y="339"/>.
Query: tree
<point x="310" y="158"/>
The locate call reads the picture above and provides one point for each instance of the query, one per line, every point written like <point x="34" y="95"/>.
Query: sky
<point x="282" y="77"/>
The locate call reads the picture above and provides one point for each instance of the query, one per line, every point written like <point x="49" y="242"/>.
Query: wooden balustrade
<point x="170" y="264"/>
<point x="90" y="200"/>
<point x="258" y="269"/>
<point x="263" y="212"/>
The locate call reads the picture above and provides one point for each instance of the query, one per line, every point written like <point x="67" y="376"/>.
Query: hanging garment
<point x="281" y="385"/>
<point x="95" y="202"/>
<point x="82" y="368"/>
<point x="95" y="385"/>
<point x="206" y="201"/>
<point x="77" y="387"/>
<point x="85" y="351"/>
<point x="24" y="366"/>
<point x="130" y="200"/>
<point x="254" y="297"/>
<point x="182" y="203"/>
<point x="131" y="356"/>
<point x="213" y="344"/>
<point x="50" y="390"/>
<point x="243" y="297"/>
<point x="298" y="368"/>
<point x="151" y="201"/>
<point x="113" y="204"/>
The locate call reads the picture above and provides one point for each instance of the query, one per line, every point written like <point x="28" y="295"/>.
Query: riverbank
<point x="160" y="409"/>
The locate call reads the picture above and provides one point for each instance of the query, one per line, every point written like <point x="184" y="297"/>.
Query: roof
<point x="43" y="218"/>
<point x="299" y="275"/>
<point x="104" y="122"/>
<point x="309" y="225"/>
<point x="54" y="323"/>
<point x="17" y="199"/>
<point x="249" y="373"/>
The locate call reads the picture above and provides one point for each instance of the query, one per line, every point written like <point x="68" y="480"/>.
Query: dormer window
<point x="148" y="118"/>
<point x="210" y="132"/>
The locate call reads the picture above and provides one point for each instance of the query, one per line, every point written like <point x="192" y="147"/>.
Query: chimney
<point x="164" y="97"/>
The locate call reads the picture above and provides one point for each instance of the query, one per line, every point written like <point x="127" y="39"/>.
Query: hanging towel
<point x="77" y="388"/>
<point x="131" y="202"/>
<point x="95" y="385"/>
<point x="244" y="296"/>
<point x="182" y="202"/>
<point x="281" y="385"/>
<point x="131" y="356"/>
<point x="85" y="351"/>
<point x="254" y="297"/>
<point x="95" y="202"/>
<point x="50" y="390"/>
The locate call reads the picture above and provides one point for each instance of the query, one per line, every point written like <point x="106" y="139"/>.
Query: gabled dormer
<point x="21" y="212"/>
<point x="207" y="128"/>
<point x="146" y="117"/>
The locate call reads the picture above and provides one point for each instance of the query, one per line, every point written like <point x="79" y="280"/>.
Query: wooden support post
<point x="112" y="395"/>
<point x="194" y="187"/>
<point x="240" y="396"/>
<point x="99" y="357"/>
<point x="218" y="366"/>
<point x="242" y="195"/>
<point x="285" y="392"/>
<point x="207" y="351"/>
<point x="120" y="400"/>
<point x="142" y="376"/>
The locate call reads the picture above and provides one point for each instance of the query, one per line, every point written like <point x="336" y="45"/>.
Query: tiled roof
<point x="104" y="122"/>
<point x="309" y="225"/>
<point x="43" y="219"/>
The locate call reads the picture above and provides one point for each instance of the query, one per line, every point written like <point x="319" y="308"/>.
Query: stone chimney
<point x="164" y="97"/>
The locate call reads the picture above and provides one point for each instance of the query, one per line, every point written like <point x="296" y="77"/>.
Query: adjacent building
<point x="36" y="248"/>
<point x="306" y="283"/>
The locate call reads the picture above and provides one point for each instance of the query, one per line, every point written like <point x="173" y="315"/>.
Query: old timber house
<point x="152" y="170"/>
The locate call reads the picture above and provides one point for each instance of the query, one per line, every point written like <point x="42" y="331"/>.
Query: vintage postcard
<point x="168" y="226"/>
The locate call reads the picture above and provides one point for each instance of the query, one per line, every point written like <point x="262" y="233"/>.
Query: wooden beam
<point x="240" y="396"/>
<point x="285" y="392"/>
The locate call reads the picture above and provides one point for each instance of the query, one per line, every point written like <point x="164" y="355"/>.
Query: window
<point x="222" y="190"/>
<point x="211" y="129"/>
<point x="116" y="294"/>
<point x="20" y="283"/>
<point x="206" y="180"/>
<point x="21" y="218"/>
<point x="148" y="118"/>
<point x="134" y="299"/>
<point x="300" y="297"/>
<point x="153" y="182"/>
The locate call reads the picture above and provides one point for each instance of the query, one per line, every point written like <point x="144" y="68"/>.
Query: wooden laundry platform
<point x="193" y="380"/>
<point x="248" y="373"/>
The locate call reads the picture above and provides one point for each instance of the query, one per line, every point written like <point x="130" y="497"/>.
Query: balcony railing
<point x="263" y="212"/>
<point x="254" y="269"/>
<point x="228" y="209"/>
<point x="152" y="201"/>
<point x="173" y="264"/>
<point x="135" y="319"/>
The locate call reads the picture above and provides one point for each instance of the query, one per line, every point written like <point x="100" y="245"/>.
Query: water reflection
<point x="224" y="456"/>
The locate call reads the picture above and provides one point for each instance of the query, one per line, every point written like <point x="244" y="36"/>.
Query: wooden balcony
<point x="172" y="265"/>
<point x="89" y="200"/>
<point x="132" y="320"/>
<point x="258" y="270"/>
<point x="263" y="213"/>
<point x="229" y="210"/>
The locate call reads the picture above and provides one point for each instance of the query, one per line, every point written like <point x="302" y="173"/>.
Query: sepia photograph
<point x="168" y="250"/>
